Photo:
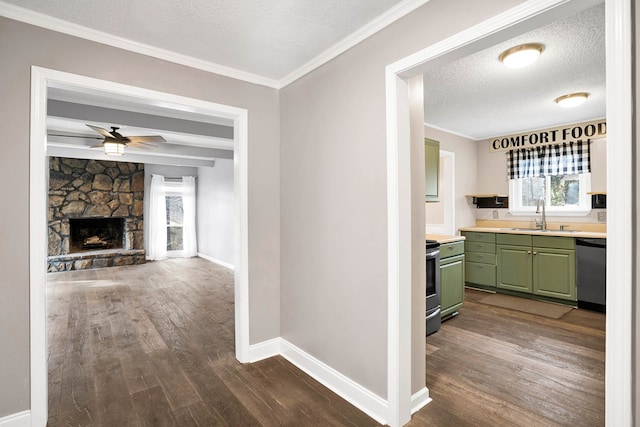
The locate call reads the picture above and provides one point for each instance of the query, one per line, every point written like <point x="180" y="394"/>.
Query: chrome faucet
<point x="543" y="224"/>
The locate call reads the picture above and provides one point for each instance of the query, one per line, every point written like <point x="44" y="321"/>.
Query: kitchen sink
<point x="541" y="231"/>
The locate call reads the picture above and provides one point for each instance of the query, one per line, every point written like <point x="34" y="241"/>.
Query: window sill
<point x="550" y="213"/>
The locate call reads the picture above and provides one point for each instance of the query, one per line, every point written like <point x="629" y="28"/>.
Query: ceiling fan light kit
<point x="114" y="143"/>
<point x="113" y="148"/>
<point x="572" y="100"/>
<point x="522" y="55"/>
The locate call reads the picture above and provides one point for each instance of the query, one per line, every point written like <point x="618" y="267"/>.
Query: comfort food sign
<point x="558" y="135"/>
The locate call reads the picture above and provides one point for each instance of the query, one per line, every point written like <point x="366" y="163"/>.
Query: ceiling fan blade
<point x="154" y="138"/>
<point x="141" y="144"/>
<point x="101" y="131"/>
<point x="75" y="136"/>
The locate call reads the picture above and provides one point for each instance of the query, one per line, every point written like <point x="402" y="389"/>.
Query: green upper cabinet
<point x="431" y="169"/>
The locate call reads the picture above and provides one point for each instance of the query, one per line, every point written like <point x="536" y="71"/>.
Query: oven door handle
<point x="434" y="314"/>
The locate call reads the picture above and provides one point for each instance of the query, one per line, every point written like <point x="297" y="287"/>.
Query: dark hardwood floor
<point x="492" y="366"/>
<point x="152" y="345"/>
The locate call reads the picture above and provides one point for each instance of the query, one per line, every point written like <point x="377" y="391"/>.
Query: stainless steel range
<point x="433" y="285"/>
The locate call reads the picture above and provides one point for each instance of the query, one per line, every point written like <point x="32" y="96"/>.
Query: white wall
<point x="216" y="212"/>
<point x="466" y="169"/>
<point x="492" y="178"/>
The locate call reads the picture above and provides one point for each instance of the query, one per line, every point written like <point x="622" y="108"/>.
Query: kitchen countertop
<point x="444" y="238"/>
<point x="511" y="230"/>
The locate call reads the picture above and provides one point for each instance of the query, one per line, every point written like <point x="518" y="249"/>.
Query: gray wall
<point x="466" y="165"/>
<point x="216" y="212"/>
<point x="333" y="193"/>
<point x="22" y="46"/>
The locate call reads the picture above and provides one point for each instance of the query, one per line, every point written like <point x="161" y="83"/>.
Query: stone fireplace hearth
<point x="95" y="214"/>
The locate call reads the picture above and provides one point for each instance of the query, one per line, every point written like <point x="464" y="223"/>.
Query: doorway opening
<point x="619" y="260"/>
<point x="42" y="80"/>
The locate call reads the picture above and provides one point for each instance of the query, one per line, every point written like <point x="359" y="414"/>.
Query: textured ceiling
<point x="475" y="96"/>
<point x="478" y="97"/>
<point x="267" y="38"/>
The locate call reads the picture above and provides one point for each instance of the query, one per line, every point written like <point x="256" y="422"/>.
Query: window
<point x="558" y="174"/>
<point x="563" y="194"/>
<point x="175" y="222"/>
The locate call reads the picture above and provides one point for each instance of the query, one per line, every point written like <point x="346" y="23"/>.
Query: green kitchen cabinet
<point x="515" y="264"/>
<point x="451" y="278"/>
<point x="431" y="169"/>
<point x="480" y="255"/>
<point x="538" y="265"/>
<point x="554" y="273"/>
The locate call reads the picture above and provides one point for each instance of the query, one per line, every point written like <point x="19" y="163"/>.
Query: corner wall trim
<point x="19" y="419"/>
<point x="363" y="399"/>
<point x="419" y="400"/>
<point x="265" y="349"/>
<point x="217" y="261"/>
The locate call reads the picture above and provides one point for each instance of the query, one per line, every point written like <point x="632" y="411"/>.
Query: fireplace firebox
<point x="91" y="234"/>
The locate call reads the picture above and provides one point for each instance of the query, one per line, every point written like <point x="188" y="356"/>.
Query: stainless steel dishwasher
<point x="591" y="273"/>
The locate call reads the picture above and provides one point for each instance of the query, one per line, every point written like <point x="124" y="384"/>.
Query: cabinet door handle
<point x="529" y="252"/>
<point x="535" y="253"/>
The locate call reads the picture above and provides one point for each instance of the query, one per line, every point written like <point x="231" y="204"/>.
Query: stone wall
<point x="81" y="188"/>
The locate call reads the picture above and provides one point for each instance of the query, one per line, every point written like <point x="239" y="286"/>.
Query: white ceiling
<point x="271" y="39"/>
<point x="478" y="97"/>
<point x="276" y="42"/>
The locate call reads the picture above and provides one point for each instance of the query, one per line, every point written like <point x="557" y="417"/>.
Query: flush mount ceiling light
<point x="522" y="55"/>
<point x="113" y="148"/>
<point x="572" y="100"/>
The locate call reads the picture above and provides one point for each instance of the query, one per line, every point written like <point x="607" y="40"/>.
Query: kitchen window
<point x="563" y="194"/>
<point x="559" y="175"/>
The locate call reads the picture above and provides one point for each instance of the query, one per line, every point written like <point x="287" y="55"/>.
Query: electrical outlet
<point x="495" y="215"/>
<point x="602" y="216"/>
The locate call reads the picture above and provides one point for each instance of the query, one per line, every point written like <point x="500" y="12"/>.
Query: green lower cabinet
<point x="451" y="284"/>
<point x="554" y="273"/>
<point x="543" y="265"/>
<point x="515" y="264"/>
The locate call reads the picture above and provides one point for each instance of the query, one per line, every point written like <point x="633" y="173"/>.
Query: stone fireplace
<point x="89" y="234"/>
<point x="95" y="214"/>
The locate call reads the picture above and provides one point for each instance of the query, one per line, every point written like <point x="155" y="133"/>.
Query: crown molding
<point x="398" y="11"/>
<point x="55" y="24"/>
<point x="449" y="131"/>
<point x="45" y="21"/>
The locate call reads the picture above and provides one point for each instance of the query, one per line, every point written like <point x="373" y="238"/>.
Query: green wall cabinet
<point x="451" y="278"/>
<point x="431" y="169"/>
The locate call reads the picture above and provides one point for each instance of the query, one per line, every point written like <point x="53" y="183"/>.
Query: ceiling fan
<point x="114" y="143"/>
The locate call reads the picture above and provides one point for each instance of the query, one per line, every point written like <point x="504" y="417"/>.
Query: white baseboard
<point x="265" y="349"/>
<point x="217" y="261"/>
<point x="19" y="419"/>
<point x="363" y="399"/>
<point x="419" y="400"/>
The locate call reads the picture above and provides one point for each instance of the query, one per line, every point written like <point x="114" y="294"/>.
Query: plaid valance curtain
<point x="549" y="160"/>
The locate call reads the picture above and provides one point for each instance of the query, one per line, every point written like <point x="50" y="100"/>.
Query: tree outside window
<point x="562" y="194"/>
<point x="175" y="222"/>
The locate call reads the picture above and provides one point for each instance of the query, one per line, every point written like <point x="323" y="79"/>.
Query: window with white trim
<point x="559" y="175"/>
<point x="175" y="215"/>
